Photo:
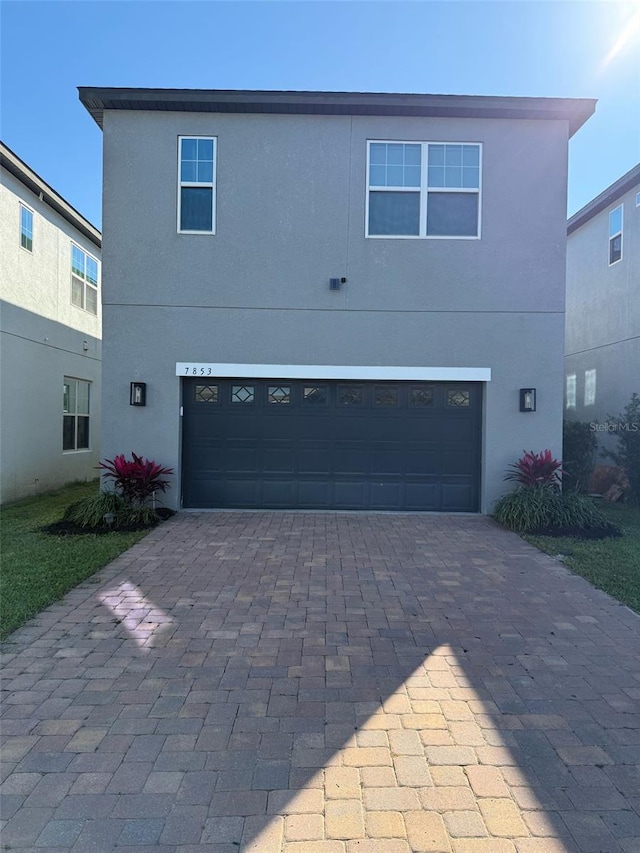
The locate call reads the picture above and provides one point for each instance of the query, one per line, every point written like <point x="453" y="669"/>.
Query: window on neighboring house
<point x="615" y="235"/>
<point x="637" y="199"/>
<point x="589" y="387"/>
<point x="196" y="184"/>
<point x="26" y="228"/>
<point x="75" y="418"/>
<point x="571" y="391"/>
<point x="84" y="280"/>
<point x="423" y="189"/>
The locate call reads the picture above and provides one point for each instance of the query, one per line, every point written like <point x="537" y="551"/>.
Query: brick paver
<point x="325" y="683"/>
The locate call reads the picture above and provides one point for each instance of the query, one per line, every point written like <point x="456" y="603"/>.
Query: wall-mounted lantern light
<point x="138" y="394"/>
<point x="527" y="399"/>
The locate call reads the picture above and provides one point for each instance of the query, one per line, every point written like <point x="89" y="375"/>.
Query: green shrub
<point x="627" y="455"/>
<point x="137" y="514"/>
<point x="571" y="509"/>
<point x="90" y="512"/>
<point x="579" y="447"/>
<point x="529" y="509"/>
<point x="526" y="508"/>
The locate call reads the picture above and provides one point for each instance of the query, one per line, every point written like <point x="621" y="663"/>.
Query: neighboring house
<point x="602" y="361"/>
<point x="334" y="300"/>
<point x="50" y="337"/>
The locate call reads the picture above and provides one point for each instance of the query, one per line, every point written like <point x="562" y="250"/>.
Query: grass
<point x="609" y="564"/>
<point x="38" y="569"/>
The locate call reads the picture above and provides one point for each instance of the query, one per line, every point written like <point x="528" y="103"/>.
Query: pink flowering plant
<point x="536" y="469"/>
<point x="137" y="479"/>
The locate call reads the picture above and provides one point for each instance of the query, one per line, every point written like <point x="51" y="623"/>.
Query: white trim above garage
<point x="334" y="371"/>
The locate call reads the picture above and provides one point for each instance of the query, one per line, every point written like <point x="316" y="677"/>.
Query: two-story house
<point x="602" y="362"/>
<point x="50" y="336"/>
<point x="333" y="300"/>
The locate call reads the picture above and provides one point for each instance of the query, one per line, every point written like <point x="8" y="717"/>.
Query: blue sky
<point x="545" y="48"/>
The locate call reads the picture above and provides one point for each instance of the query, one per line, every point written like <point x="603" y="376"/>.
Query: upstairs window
<point x="571" y="391"/>
<point x="637" y="199"/>
<point x="589" y="387"/>
<point x="196" y="184"/>
<point x="423" y="189"/>
<point x="26" y="228"/>
<point x="84" y="280"/>
<point x="75" y="414"/>
<point x="615" y="235"/>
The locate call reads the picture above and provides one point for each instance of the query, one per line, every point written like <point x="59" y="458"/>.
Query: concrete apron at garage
<point x="325" y="683"/>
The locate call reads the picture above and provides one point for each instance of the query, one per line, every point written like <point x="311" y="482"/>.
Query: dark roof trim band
<point x="607" y="197"/>
<point x="33" y="182"/>
<point x="574" y="110"/>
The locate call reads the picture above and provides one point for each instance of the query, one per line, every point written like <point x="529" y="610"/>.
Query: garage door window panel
<point x="350" y="395"/>
<point x="243" y="393"/>
<point x="421" y="397"/>
<point x="457" y="398"/>
<point x="279" y="394"/>
<point x="206" y="393"/>
<point x="315" y="395"/>
<point x="386" y="397"/>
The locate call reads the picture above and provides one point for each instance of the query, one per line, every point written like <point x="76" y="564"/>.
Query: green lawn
<point x="38" y="569"/>
<point x="610" y="564"/>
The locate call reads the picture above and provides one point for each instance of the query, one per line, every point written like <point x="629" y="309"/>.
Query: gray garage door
<point x="276" y="443"/>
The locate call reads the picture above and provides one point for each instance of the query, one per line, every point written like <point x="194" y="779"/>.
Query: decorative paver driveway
<point x="325" y="683"/>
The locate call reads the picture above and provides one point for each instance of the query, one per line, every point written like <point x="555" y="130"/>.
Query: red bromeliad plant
<point x="536" y="469"/>
<point x="136" y="479"/>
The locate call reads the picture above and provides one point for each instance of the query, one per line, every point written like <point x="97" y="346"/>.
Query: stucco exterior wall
<point x="36" y="355"/>
<point x="43" y="338"/>
<point x="40" y="281"/>
<point x="290" y="215"/>
<point x="603" y="313"/>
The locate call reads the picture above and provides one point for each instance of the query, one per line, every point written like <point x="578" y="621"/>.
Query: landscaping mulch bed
<point x="70" y="528"/>
<point x="605" y="531"/>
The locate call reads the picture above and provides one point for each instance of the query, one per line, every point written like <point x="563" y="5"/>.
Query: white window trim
<point x="423" y="190"/>
<point x="571" y="390"/>
<point x="637" y="199"/>
<point x="33" y="220"/>
<point x="85" y="283"/>
<point x="76" y="415"/>
<point x="617" y="234"/>
<point x="213" y="185"/>
<point x="334" y="371"/>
